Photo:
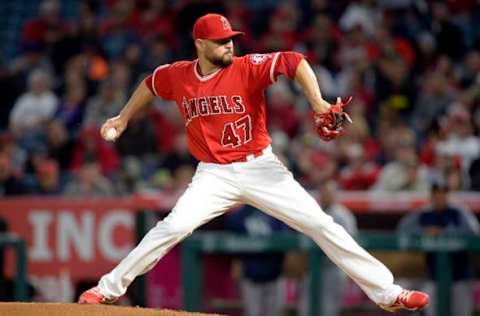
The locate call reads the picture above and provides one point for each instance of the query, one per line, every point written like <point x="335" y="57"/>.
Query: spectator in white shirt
<point x="35" y="107"/>
<point x="405" y="173"/>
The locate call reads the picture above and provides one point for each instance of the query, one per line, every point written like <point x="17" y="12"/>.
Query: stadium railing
<point x="226" y="243"/>
<point x="18" y="245"/>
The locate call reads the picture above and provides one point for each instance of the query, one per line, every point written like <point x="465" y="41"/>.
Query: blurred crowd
<point x="412" y="67"/>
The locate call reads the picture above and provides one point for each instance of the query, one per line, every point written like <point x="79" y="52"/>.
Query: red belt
<point x="249" y="156"/>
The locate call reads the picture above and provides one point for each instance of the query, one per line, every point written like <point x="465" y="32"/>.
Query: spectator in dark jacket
<point x="261" y="279"/>
<point x="10" y="183"/>
<point x="444" y="218"/>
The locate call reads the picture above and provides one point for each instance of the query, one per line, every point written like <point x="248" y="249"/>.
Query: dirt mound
<point x="57" y="309"/>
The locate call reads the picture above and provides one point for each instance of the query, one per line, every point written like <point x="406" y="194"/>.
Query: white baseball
<point x="111" y="134"/>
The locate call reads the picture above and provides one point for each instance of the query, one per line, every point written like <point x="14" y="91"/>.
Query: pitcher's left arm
<point x="329" y="119"/>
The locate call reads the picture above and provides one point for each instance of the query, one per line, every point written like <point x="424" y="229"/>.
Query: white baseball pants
<point x="265" y="183"/>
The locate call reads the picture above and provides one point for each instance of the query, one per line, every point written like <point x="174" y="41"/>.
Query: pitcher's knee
<point x="174" y="228"/>
<point x="317" y="223"/>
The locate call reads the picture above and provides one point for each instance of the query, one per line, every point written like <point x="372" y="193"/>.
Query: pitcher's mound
<point x="57" y="309"/>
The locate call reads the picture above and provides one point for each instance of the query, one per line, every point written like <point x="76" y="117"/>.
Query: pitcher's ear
<point x="199" y="44"/>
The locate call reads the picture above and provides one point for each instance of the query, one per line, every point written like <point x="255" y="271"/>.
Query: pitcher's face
<point x="218" y="52"/>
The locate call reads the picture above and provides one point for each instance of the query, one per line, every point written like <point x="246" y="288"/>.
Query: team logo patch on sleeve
<point x="258" y="59"/>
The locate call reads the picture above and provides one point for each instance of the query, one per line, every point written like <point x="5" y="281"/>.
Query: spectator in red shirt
<point x="359" y="174"/>
<point x="91" y="147"/>
<point x="46" y="29"/>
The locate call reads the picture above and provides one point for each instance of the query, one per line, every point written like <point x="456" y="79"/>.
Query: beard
<point x="223" y="61"/>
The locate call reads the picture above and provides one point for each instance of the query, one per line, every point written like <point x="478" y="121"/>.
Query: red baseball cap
<point x="213" y="26"/>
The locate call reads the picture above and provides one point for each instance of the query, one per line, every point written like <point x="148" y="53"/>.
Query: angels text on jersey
<point x="211" y="105"/>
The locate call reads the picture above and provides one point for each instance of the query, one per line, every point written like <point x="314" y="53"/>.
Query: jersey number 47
<point x="231" y="131"/>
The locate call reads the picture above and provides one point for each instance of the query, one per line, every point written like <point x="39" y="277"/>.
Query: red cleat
<point x="93" y="296"/>
<point x="409" y="300"/>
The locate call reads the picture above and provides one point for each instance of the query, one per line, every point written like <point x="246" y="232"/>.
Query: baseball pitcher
<point x="222" y="101"/>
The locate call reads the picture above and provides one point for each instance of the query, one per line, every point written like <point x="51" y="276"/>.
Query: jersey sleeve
<point x="159" y="82"/>
<point x="264" y="69"/>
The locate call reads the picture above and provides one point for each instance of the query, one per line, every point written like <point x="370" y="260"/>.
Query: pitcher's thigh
<point x="288" y="201"/>
<point x="206" y="198"/>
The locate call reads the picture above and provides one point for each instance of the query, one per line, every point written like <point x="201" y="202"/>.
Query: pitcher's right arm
<point x="139" y="99"/>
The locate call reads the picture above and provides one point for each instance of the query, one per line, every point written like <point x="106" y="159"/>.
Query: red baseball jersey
<point x="224" y="112"/>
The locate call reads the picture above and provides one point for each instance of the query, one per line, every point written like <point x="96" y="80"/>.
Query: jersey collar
<point x="207" y="77"/>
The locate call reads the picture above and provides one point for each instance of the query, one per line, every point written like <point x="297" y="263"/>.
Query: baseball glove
<point x="330" y="125"/>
